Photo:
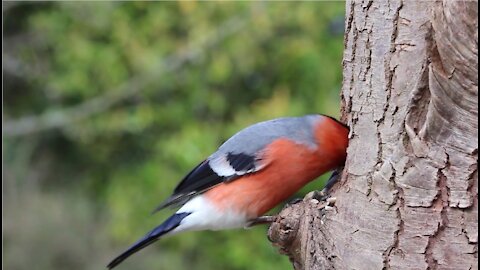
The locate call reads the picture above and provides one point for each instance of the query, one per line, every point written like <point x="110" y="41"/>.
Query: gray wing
<point x="240" y="155"/>
<point x="243" y="152"/>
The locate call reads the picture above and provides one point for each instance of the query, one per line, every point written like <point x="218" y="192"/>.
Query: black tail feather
<point x="169" y="224"/>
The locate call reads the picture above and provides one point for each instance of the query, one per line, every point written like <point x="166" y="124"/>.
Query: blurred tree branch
<point x="8" y="5"/>
<point x="62" y="117"/>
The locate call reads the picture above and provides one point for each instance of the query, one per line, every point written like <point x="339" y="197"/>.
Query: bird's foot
<point x="322" y="199"/>
<point x="322" y="195"/>
<point x="294" y="201"/>
<point x="317" y="195"/>
<point x="325" y="202"/>
<point x="260" y="220"/>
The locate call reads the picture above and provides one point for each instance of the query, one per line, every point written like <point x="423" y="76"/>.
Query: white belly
<point x="205" y="216"/>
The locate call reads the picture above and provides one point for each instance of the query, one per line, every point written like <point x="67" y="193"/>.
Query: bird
<point x="252" y="172"/>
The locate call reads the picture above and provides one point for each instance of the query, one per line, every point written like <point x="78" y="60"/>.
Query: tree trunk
<point x="408" y="196"/>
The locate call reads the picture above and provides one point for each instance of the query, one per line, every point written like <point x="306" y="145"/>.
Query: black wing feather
<point x="199" y="179"/>
<point x="241" y="162"/>
<point x="202" y="178"/>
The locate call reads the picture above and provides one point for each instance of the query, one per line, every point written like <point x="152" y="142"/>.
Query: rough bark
<point x="408" y="196"/>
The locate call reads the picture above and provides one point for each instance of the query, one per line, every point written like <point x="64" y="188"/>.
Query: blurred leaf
<point x="96" y="179"/>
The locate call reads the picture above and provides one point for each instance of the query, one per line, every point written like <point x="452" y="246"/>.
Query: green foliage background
<point x="107" y="105"/>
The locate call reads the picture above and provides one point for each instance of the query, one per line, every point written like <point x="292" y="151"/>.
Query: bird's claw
<point x="322" y="195"/>
<point x="329" y="203"/>
<point x="259" y="221"/>
<point x="331" y="200"/>
<point x="294" y="201"/>
<point x="312" y="195"/>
